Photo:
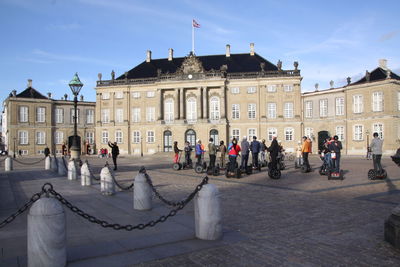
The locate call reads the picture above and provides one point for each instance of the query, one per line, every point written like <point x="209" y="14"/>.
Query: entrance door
<point x="214" y="136"/>
<point x="190" y="136"/>
<point x="167" y="141"/>
<point x="322" y="135"/>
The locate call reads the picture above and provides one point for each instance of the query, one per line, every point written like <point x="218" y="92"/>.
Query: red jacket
<point x="232" y="151"/>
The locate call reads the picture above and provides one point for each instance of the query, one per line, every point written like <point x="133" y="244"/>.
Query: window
<point x="59" y="137"/>
<point x="378" y="128"/>
<point x="309" y="132"/>
<point x="358" y="104"/>
<point x="136" y="137"/>
<point x="251" y="90"/>
<point x="40" y="138"/>
<point x="288" y="110"/>
<point x="250" y="133"/>
<point x="340" y="132"/>
<point x="214" y="108"/>
<point x="271" y="112"/>
<point x="236" y="134"/>
<point x="89" y="116"/>
<point x="251" y="110"/>
<point x="104" y="137"/>
<point x="271" y="88"/>
<point x="288" y="88"/>
<point x="136" y="114"/>
<point x="105" y="115"/>
<point x="271" y="133"/>
<point x="191" y="110"/>
<point x="377" y="101"/>
<point x="90" y="137"/>
<point x="235" y="90"/>
<point x="309" y="109"/>
<point x="150" y="94"/>
<point x="118" y="137"/>
<point x="151" y="114"/>
<point x="235" y="111"/>
<point x="339" y="106"/>
<point x="190" y="136"/>
<point x="289" y="134"/>
<point x="358" y="133"/>
<point x="323" y="107"/>
<point x="59" y="115"/>
<point x="398" y="100"/>
<point x="119" y="115"/>
<point x="119" y="94"/>
<point x="150" y="136"/>
<point x="135" y="94"/>
<point x="40" y="114"/>
<point x="73" y="114"/>
<point x="23" y="114"/>
<point x="169" y="110"/>
<point x="23" y="137"/>
<point x="105" y="95"/>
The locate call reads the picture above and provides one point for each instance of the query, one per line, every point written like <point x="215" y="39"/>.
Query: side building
<point x="32" y="121"/>
<point x="197" y="97"/>
<point x="355" y="111"/>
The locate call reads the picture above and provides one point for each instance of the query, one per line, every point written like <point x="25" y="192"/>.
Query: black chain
<point x="168" y="202"/>
<point x="65" y="165"/>
<point x="91" y="172"/>
<point x="29" y="163"/>
<point x="115" y="181"/>
<point x="1" y="160"/>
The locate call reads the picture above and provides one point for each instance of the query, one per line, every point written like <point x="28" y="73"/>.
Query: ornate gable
<point x="191" y="64"/>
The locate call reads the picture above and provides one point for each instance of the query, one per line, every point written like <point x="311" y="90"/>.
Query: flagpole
<point x="192" y="38"/>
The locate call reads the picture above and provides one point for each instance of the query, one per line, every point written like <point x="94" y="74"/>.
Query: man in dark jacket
<point x="46" y="151"/>
<point x="245" y="153"/>
<point x="255" y="148"/>
<point x="335" y="146"/>
<point x="274" y="150"/>
<point x="114" y="153"/>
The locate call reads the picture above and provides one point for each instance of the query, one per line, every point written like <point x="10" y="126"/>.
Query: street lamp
<point x="76" y="85"/>
<point x="15" y="139"/>
<point x="367" y="133"/>
<point x="141" y="146"/>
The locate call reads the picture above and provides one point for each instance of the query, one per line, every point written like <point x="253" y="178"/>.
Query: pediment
<point x="191" y="64"/>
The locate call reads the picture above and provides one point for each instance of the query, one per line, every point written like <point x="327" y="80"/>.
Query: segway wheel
<point x="227" y="173"/>
<point x="198" y="169"/>
<point x="322" y="171"/>
<point x="238" y="173"/>
<point x="283" y="166"/>
<point x="259" y="167"/>
<point x="274" y="174"/>
<point x="371" y="174"/>
<point x="216" y="171"/>
<point x="296" y="166"/>
<point x="341" y="175"/>
<point x="384" y="174"/>
<point x="204" y="165"/>
<point x="303" y="169"/>
<point x="249" y="170"/>
<point x="209" y="171"/>
<point x="176" y="166"/>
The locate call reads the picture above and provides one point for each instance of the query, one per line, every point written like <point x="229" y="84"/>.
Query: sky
<point x="49" y="40"/>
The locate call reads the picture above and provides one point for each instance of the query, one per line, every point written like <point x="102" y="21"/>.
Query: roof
<point x="31" y="92"/>
<point x="235" y="63"/>
<point x="377" y="75"/>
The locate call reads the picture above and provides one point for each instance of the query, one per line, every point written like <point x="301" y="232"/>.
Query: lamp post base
<point x="75" y="154"/>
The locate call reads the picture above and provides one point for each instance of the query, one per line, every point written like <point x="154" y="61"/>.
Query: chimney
<point x="331" y="83"/>
<point x="65" y="97"/>
<point x="316" y="87"/>
<point x="29" y="83"/>
<point x="170" y="54"/>
<point x="14" y="93"/>
<point x="49" y="95"/>
<point x="81" y="97"/>
<point x="251" y="49"/>
<point x="383" y="63"/>
<point x="348" y="80"/>
<point x="228" y="51"/>
<point x="148" y="56"/>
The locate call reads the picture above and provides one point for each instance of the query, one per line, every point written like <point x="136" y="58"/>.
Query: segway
<point x="298" y="162"/>
<point x="305" y="169"/>
<point x="188" y="165"/>
<point x="335" y="175"/>
<point x="200" y="167"/>
<point x="324" y="169"/>
<point x="178" y="165"/>
<point x="273" y="172"/>
<point x="374" y="175"/>
<point x="236" y="174"/>
<point x="281" y="163"/>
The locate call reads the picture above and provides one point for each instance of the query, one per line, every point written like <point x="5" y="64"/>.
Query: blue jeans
<point x="245" y="160"/>
<point x="336" y="163"/>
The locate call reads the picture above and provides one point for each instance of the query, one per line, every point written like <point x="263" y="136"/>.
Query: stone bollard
<point x="107" y="184"/>
<point x="47" y="163"/>
<point x="47" y="244"/>
<point x="142" y="194"/>
<point x="207" y="213"/>
<point x="86" y="179"/>
<point x="72" y="171"/>
<point x="54" y="165"/>
<point x="8" y="164"/>
<point x="392" y="228"/>
<point x="61" y="168"/>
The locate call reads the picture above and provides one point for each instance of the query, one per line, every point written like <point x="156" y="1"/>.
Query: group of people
<point x="331" y="153"/>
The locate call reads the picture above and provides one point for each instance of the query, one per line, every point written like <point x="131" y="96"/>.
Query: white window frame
<point x="105" y="95"/>
<point x="358" y="132"/>
<point x="59" y="137"/>
<point x="251" y="90"/>
<point x="191" y="110"/>
<point x="119" y="115"/>
<point x="105" y="137"/>
<point x="358" y="105"/>
<point x="288" y="87"/>
<point x="235" y="90"/>
<point x="90" y="137"/>
<point x="105" y="115"/>
<point x="136" y="114"/>
<point x="59" y="113"/>
<point x="136" y="137"/>
<point x="150" y="114"/>
<point x="377" y="101"/>
<point x="339" y="106"/>
<point x="271" y="110"/>
<point x="23" y="137"/>
<point x="169" y="114"/>
<point x="150" y="94"/>
<point x="251" y="111"/>
<point x="150" y="137"/>
<point x="90" y="116"/>
<point x="72" y="113"/>
<point x="288" y="110"/>
<point x="119" y="135"/>
<point x="309" y="109"/>
<point x="40" y="138"/>
<point x="236" y="134"/>
<point x="215" y="108"/>
<point x="119" y="95"/>
<point x="23" y="114"/>
<point x="378" y="127"/>
<point x="235" y="111"/>
<point x="289" y="134"/>
<point x="250" y="133"/>
<point x="271" y="132"/>
<point x="135" y="95"/>
<point x="40" y="114"/>
<point x="323" y="108"/>
<point x="339" y="131"/>
<point x="271" y="88"/>
<point x="309" y="132"/>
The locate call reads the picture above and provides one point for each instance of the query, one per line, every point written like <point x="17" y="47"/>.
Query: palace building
<point x="222" y="96"/>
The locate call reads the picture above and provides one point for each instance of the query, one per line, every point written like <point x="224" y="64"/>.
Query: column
<point x="205" y="103"/>
<point x="199" y="103"/>
<point x="176" y="104"/>
<point x="182" y="103"/>
<point x="223" y="102"/>
<point x="161" y="105"/>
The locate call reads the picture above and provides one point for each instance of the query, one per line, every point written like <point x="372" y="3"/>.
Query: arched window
<point x="214" y="108"/>
<point x="169" y="110"/>
<point x="214" y="136"/>
<point x="190" y="136"/>
<point x="191" y="110"/>
<point x="167" y="141"/>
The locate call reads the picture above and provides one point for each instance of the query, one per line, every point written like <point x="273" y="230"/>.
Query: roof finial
<point x="367" y="75"/>
<point x="316" y="87"/>
<point x="29" y="83"/>
<point x="348" y="80"/>
<point x="331" y="83"/>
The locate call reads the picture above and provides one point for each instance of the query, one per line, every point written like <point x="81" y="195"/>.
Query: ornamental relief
<point x="191" y="64"/>
<point x="169" y="96"/>
<point x="191" y="95"/>
<point x="215" y="94"/>
<point x="119" y="103"/>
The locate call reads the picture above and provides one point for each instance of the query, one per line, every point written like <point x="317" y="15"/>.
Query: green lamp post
<point x="76" y="85"/>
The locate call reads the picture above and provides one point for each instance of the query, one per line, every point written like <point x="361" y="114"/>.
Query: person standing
<point x="273" y="152"/>
<point x="305" y="150"/>
<point x="63" y="149"/>
<point x="255" y="148"/>
<point x="335" y="146"/>
<point x="188" y="151"/>
<point x="212" y="152"/>
<point x="46" y="151"/>
<point x="199" y="151"/>
<point x="176" y="150"/>
<point x="114" y="153"/>
<point x="245" y="146"/>
<point x="263" y="148"/>
<point x="233" y="153"/>
<point x="376" y="149"/>
<point x="222" y="150"/>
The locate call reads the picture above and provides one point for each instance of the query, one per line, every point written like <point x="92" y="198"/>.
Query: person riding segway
<point x="232" y="169"/>
<point x="245" y="146"/>
<point x="255" y="148"/>
<point x="335" y="146"/>
<point x="201" y="165"/>
<point x="325" y="157"/>
<point x="305" y="150"/>
<point x="177" y="157"/>
<point x="376" y="148"/>
<point x="263" y="158"/>
<point x="273" y="170"/>
<point x="281" y="157"/>
<point x="212" y="152"/>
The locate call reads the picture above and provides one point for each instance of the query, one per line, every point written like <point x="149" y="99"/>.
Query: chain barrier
<point x="47" y="189"/>
<point x="29" y="163"/>
<point x="91" y="172"/>
<point x="115" y="180"/>
<point x="168" y="202"/>
<point x="65" y="164"/>
<point x="1" y="160"/>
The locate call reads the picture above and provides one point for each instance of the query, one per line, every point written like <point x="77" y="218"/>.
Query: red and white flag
<point x="195" y="24"/>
